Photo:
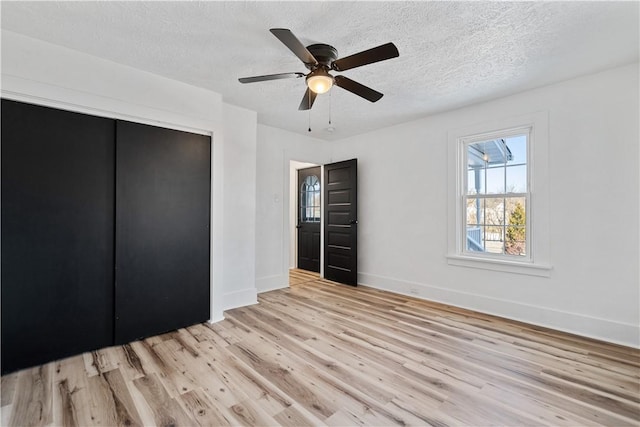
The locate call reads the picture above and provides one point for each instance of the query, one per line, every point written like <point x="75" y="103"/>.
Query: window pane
<point x="494" y="211"/>
<point x="516" y="213"/>
<point x="515" y="241"/>
<point x="475" y="181"/>
<point x="493" y="240"/>
<point x="475" y="208"/>
<point x="518" y="147"/>
<point x="515" y="234"/>
<point x="309" y="199"/>
<point x="495" y="180"/>
<point x="517" y="179"/>
<point x="471" y="183"/>
<point x="476" y="165"/>
<point x="476" y="155"/>
<point x="474" y="238"/>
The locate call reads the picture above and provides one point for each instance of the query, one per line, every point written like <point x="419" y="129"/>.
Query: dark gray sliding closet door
<point x="162" y="230"/>
<point x="57" y="233"/>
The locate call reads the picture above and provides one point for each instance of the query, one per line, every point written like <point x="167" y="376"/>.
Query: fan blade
<point x="376" y="54"/>
<point x="270" y="77"/>
<point x="290" y="41"/>
<point x="307" y="100"/>
<point x="357" y="88"/>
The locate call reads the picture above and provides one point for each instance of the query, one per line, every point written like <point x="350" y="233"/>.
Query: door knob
<point x="298" y="226"/>
<point x="353" y="221"/>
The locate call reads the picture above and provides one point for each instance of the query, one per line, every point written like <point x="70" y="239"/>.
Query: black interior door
<point x="341" y="222"/>
<point x="57" y="233"/>
<point x="162" y="230"/>
<point x="309" y="219"/>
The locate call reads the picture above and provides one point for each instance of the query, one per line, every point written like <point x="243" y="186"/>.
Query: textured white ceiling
<point x="451" y="53"/>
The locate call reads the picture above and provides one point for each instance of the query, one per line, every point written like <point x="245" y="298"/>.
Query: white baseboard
<point x="574" y="323"/>
<point x="240" y="298"/>
<point x="271" y="283"/>
<point x="216" y="320"/>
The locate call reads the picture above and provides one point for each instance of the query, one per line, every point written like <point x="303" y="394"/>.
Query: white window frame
<point x="536" y="262"/>
<point x="465" y="142"/>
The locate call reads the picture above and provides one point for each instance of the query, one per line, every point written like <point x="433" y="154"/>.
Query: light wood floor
<point x="321" y="353"/>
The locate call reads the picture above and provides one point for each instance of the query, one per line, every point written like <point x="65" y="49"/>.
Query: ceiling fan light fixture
<point x="319" y="81"/>
<point x="320" y="59"/>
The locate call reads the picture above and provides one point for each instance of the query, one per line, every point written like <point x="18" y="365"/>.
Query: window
<point x="495" y="195"/>
<point x="310" y="199"/>
<point x="498" y="196"/>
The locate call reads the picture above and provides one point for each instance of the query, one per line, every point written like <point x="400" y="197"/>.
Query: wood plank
<point x="166" y="410"/>
<point x="204" y="411"/>
<point x="127" y="361"/>
<point x="248" y="414"/>
<point x="68" y="413"/>
<point x="7" y="388"/>
<point x="296" y="416"/>
<point x="111" y="402"/>
<point x="71" y="383"/>
<point x="5" y="414"/>
<point x="33" y="399"/>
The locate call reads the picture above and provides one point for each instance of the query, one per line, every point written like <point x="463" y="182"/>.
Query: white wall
<point x="276" y="148"/>
<point x="239" y="183"/>
<point x="594" y="286"/>
<point x="38" y="72"/>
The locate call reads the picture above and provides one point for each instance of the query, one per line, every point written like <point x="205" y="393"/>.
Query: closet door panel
<point x="162" y="230"/>
<point x="57" y="233"/>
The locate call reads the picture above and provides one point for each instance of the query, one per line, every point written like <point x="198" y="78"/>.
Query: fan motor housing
<point x="323" y="53"/>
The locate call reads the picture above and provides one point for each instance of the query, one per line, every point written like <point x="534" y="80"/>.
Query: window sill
<point x="540" y="270"/>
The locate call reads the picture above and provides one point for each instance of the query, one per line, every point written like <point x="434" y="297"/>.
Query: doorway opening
<point x="333" y="233"/>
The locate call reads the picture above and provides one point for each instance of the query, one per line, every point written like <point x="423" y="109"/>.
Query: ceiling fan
<point x="322" y="58"/>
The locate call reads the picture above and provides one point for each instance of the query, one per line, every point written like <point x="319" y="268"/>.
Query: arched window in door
<point x="310" y="199"/>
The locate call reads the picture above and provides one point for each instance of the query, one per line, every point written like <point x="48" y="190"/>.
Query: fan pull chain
<point x="309" y="102"/>
<point x="330" y="107"/>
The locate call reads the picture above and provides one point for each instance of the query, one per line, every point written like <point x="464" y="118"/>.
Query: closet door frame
<point x="93" y="104"/>
<point x="139" y="112"/>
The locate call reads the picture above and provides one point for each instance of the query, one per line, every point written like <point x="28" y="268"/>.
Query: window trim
<point x="537" y="262"/>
